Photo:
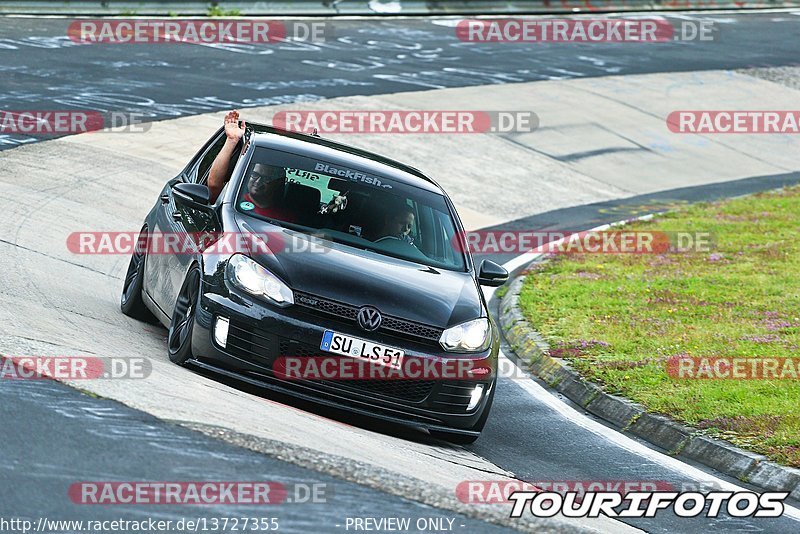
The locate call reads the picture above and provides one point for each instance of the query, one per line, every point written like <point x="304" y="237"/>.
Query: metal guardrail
<point x="367" y="7"/>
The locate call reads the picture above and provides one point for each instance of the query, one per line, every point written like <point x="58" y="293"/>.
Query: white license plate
<point x="362" y="349"/>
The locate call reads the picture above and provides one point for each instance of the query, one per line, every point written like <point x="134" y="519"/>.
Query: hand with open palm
<point x="233" y="131"/>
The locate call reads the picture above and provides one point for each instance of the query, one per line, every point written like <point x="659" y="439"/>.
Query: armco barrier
<point x="370" y="7"/>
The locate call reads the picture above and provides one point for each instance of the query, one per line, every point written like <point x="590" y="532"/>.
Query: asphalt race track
<point x="41" y="65"/>
<point x="189" y="425"/>
<point x="139" y="447"/>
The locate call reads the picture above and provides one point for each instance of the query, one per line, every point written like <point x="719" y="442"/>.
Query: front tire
<point x="181" y="326"/>
<point x="131" y="302"/>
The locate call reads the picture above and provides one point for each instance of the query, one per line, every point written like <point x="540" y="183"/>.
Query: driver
<point x="399" y="224"/>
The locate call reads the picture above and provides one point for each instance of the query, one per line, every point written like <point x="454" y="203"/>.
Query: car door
<point x="166" y="267"/>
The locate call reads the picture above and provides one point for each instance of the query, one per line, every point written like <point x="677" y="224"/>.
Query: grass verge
<point x="619" y="318"/>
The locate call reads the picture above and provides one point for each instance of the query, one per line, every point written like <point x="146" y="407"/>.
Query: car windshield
<point x="350" y="206"/>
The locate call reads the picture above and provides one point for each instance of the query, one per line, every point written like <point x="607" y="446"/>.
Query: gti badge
<point x="369" y="318"/>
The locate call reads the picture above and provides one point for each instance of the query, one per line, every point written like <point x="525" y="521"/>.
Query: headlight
<point x="249" y="276"/>
<point x="472" y="336"/>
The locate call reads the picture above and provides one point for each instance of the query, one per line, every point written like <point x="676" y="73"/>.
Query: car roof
<point x="340" y="153"/>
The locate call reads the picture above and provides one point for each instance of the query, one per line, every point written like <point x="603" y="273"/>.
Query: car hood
<point x="401" y="288"/>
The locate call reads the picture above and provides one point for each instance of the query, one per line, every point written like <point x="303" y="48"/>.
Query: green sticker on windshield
<point x="247" y="206"/>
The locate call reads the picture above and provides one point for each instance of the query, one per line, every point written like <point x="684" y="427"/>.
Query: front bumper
<point x="260" y="333"/>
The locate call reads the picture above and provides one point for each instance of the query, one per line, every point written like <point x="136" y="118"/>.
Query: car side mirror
<point x="492" y="275"/>
<point x="195" y="196"/>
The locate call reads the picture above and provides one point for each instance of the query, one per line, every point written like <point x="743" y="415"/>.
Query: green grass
<point x="618" y="317"/>
<point x="215" y="10"/>
<point x="501" y="291"/>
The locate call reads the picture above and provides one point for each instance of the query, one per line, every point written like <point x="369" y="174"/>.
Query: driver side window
<point x="203" y="168"/>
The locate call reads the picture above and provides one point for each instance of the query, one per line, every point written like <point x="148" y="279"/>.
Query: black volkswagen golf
<point x="316" y="251"/>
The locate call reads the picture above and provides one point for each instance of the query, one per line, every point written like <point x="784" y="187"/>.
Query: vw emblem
<point x="369" y="318"/>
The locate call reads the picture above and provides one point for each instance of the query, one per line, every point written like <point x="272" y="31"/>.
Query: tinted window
<point x="350" y="206"/>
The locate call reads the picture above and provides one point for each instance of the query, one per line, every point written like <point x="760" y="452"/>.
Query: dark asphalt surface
<point x="41" y="68"/>
<point x="53" y="435"/>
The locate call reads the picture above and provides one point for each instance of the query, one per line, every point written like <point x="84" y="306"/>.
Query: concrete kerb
<point x="774" y="477"/>
<point x="722" y="456"/>
<point x="627" y="416"/>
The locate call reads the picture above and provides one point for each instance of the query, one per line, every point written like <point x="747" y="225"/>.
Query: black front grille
<point x="298" y="350"/>
<point x="407" y="390"/>
<point x="413" y="329"/>
<point x="329" y="307"/>
<point x="263" y="348"/>
<point x="454" y="396"/>
<point x="252" y="344"/>
<point x="390" y="324"/>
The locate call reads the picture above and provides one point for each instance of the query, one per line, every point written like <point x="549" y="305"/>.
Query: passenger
<point x="266" y="182"/>
<point x="265" y="191"/>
